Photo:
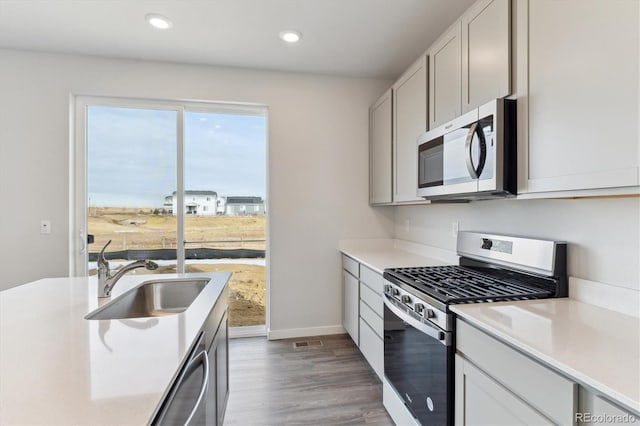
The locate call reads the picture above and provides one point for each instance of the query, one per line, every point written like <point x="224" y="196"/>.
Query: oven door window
<point x="420" y="368"/>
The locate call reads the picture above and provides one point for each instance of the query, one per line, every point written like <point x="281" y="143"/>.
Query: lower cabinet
<point x="363" y="310"/>
<point x="480" y="400"/>
<point x="594" y="408"/>
<point x="495" y="384"/>
<point x="498" y="385"/>
<point x="350" y="312"/>
<point x="372" y="347"/>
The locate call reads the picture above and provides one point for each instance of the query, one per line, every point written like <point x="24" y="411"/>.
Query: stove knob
<point x="430" y="313"/>
<point x="419" y="308"/>
<point x="387" y="288"/>
<point x="406" y="299"/>
<point x="395" y="292"/>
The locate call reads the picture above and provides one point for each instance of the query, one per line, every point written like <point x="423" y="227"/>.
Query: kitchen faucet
<point x="106" y="281"/>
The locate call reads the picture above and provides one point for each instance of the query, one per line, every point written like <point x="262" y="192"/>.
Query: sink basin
<point x="152" y="299"/>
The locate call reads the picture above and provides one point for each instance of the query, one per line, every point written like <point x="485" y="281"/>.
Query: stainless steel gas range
<point x="419" y="332"/>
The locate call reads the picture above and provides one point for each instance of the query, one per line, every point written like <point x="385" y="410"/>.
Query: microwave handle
<point x="475" y="171"/>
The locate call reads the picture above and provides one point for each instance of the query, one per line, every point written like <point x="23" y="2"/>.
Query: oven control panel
<point x="417" y="305"/>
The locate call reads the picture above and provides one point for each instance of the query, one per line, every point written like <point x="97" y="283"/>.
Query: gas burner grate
<point x="456" y="284"/>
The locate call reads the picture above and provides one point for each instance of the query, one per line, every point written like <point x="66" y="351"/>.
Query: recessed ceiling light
<point x="158" y="21"/>
<point x="291" y="36"/>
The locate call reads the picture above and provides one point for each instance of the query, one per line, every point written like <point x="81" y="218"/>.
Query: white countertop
<point x="58" y="368"/>
<point x="381" y="254"/>
<point x="597" y="347"/>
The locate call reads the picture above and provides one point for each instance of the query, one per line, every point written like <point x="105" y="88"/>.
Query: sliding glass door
<point x="181" y="184"/>
<point x="131" y="167"/>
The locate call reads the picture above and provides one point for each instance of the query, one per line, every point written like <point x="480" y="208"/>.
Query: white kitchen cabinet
<point x="372" y="347"/>
<point x="577" y="76"/>
<point x="409" y="121"/>
<point x="486" y="53"/>
<point x="496" y="384"/>
<point x="380" y="147"/>
<point x="351" y="300"/>
<point x="483" y="401"/>
<point x="363" y="311"/>
<point x="445" y="77"/>
<point x="597" y="409"/>
<point x="371" y="319"/>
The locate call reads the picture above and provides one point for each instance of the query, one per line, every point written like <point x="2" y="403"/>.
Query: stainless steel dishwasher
<point x="187" y="399"/>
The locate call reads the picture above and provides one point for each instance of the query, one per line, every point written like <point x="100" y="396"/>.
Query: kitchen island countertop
<point x="58" y="368"/>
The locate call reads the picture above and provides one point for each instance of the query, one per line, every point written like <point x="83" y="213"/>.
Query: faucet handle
<point x="102" y="261"/>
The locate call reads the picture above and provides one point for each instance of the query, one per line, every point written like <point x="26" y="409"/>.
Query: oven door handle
<point x="429" y="330"/>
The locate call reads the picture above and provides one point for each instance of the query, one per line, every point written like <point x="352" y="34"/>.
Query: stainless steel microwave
<point x="472" y="157"/>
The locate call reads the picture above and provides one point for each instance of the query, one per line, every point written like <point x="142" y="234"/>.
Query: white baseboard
<point x="304" y="332"/>
<point x="247" y="331"/>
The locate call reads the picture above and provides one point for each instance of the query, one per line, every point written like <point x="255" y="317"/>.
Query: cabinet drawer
<point x="548" y="392"/>
<point x="373" y="299"/>
<point x="372" y="348"/>
<point x="348" y="264"/>
<point x="370" y="317"/>
<point x="372" y="279"/>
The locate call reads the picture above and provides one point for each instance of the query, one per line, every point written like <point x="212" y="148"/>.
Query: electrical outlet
<point x="455" y="226"/>
<point x="45" y="227"/>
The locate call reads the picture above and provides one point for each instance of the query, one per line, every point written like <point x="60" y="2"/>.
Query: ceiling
<point x="360" y="38"/>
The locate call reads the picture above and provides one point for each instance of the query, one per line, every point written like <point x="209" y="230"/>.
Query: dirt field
<point x="141" y="229"/>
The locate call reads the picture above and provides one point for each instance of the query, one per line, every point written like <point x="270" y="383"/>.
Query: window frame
<point x="78" y="251"/>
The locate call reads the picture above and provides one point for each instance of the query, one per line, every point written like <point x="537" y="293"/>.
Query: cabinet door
<point x="596" y="409"/>
<point x="409" y="121"/>
<point x="582" y="72"/>
<point x="351" y="304"/>
<point x="481" y="401"/>
<point x="380" y="141"/>
<point x="486" y="53"/>
<point x="445" y="77"/>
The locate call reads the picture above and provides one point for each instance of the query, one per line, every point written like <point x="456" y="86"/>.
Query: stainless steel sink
<point x="152" y="299"/>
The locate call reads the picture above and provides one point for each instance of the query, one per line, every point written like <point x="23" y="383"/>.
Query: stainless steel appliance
<point x="471" y="157"/>
<point x="419" y="334"/>
<point x="187" y="400"/>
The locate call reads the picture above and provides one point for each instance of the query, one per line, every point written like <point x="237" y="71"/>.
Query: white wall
<point x="318" y="165"/>
<point x="603" y="233"/>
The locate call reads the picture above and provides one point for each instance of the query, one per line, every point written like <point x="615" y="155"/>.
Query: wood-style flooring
<point x="271" y="383"/>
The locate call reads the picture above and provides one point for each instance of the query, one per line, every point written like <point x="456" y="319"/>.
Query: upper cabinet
<point x="470" y="64"/>
<point x="486" y="47"/>
<point x="380" y="141"/>
<point x="409" y="121"/>
<point x="445" y="77"/>
<point x="577" y="74"/>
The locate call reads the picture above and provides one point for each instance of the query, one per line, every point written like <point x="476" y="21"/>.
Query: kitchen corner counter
<point x="381" y="254"/>
<point x="596" y="347"/>
<point x="58" y="368"/>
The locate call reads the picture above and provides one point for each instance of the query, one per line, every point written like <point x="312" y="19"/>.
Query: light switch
<point x="45" y="227"/>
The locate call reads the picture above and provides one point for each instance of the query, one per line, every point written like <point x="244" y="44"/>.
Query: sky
<point x="131" y="155"/>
